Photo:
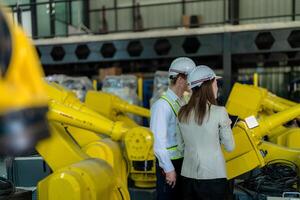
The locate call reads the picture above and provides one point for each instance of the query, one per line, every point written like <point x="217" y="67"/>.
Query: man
<point x="163" y="125"/>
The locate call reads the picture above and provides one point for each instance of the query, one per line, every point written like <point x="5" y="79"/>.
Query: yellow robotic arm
<point x="251" y="151"/>
<point x="71" y="147"/>
<point x="246" y="100"/>
<point x="67" y="115"/>
<point x="112" y="106"/>
<point x="67" y="109"/>
<point x="116" y="109"/>
<point x="23" y="108"/>
<point x="75" y="174"/>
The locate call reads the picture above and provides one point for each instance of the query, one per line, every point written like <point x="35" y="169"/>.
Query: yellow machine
<point x="23" y="101"/>
<point x="23" y="122"/>
<point x="75" y="175"/>
<point x="113" y="107"/>
<point x="247" y="100"/>
<point x="86" y="124"/>
<point x="72" y="145"/>
<point x="86" y="163"/>
<point x="252" y="151"/>
<point x="272" y="112"/>
<point x="142" y="171"/>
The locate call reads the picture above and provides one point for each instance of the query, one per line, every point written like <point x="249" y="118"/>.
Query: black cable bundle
<point x="276" y="177"/>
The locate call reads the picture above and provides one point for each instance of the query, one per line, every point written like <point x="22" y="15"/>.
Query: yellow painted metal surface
<point x="22" y="91"/>
<point x="138" y="140"/>
<point x="139" y="148"/>
<point x="64" y="114"/>
<point x="111" y="152"/>
<point x="90" y="179"/>
<point x="59" y="150"/>
<point x="75" y="175"/>
<point x="245" y="156"/>
<point x="78" y="176"/>
<point x="83" y="136"/>
<point x="140" y="89"/>
<point x="58" y="93"/>
<point x="245" y="100"/>
<point x="21" y="85"/>
<point x="255" y="79"/>
<point x="80" y="120"/>
<point x="251" y="150"/>
<point x="127" y="120"/>
<point x="293" y="138"/>
<point x="288" y="137"/>
<point x="109" y="105"/>
<point x="275" y="120"/>
<point x="275" y="152"/>
<point x="95" y="83"/>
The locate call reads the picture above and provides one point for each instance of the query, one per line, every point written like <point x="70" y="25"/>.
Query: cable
<point x="276" y="177"/>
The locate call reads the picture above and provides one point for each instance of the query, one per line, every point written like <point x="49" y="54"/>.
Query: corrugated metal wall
<point x="156" y="16"/>
<point x="96" y="17"/>
<point x="212" y="11"/>
<point x="275" y="79"/>
<point x="263" y="8"/>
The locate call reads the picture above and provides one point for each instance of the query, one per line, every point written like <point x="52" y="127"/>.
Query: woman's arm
<point x="225" y="132"/>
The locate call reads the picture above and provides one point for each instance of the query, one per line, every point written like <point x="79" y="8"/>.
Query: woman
<point x="204" y="127"/>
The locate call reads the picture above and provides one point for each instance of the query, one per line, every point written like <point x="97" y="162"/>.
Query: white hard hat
<point x="199" y="75"/>
<point x="181" y="65"/>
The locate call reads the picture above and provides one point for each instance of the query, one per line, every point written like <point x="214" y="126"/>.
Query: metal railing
<point x="71" y="17"/>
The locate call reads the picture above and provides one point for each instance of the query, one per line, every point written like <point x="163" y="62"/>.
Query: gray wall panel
<point x="263" y="8"/>
<point x="211" y="11"/>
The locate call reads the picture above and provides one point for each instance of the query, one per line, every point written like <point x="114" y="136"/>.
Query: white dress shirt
<point x="163" y="124"/>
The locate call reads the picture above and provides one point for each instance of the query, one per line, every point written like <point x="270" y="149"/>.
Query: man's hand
<point x="171" y="178"/>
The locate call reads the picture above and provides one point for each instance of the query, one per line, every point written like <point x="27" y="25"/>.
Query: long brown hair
<point x="202" y="97"/>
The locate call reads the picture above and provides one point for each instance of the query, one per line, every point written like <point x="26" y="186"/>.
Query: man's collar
<point x="172" y="94"/>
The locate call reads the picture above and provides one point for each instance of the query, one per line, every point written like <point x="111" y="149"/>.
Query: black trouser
<point x="209" y="189"/>
<point x="165" y="191"/>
